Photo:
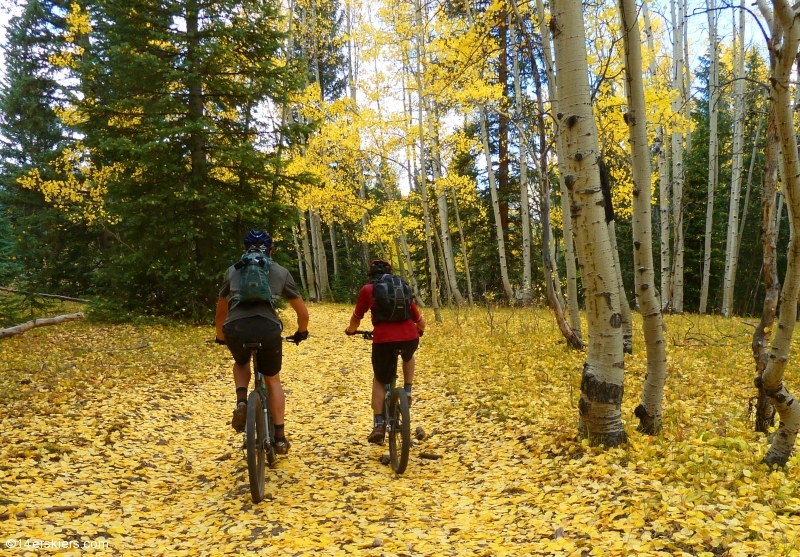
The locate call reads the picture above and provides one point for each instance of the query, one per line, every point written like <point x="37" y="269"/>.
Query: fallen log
<point x="19" y="329"/>
<point x="54" y="296"/>
<point x="57" y="509"/>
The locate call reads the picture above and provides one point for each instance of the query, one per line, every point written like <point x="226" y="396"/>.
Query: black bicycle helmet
<point x="379" y="267"/>
<point x="259" y="239"/>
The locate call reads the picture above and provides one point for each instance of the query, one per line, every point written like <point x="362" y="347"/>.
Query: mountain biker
<point x="388" y="338"/>
<point x="238" y="323"/>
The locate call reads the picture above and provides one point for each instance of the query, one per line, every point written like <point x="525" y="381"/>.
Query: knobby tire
<point x="256" y="434"/>
<point x="400" y="434"/>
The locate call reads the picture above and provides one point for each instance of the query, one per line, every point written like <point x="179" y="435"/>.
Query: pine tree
<point x="170" y="96"/>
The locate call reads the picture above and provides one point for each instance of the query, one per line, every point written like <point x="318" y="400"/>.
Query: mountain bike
<point x="259" y="429"/>
<point x="396" y="417"/>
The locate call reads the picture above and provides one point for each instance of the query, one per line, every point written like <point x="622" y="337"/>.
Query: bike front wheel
<point x="256" y="434"/>
<point x="399" y="430"/>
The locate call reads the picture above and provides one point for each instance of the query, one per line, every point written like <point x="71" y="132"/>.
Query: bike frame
<point x="387" y="397"/>
<point x="261" y="386"/>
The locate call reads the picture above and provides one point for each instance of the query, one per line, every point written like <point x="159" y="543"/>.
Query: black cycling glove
<point x="298" y="337"/>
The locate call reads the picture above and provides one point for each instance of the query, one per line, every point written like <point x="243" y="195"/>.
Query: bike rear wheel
<point x="399" y="423"/>
<point x="256" y="433"/>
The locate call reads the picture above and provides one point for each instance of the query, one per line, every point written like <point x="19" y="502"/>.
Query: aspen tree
<point x="423" y="188"/>
<point x="523" y="175"/>
<point x="603" y="373"/>
<point x="569" y="245"/>
<point x="676" y="297"/>
<point x="441" y="201"/>
<point x="783" y="48"/>
<point x="310" y="276"/>
<point x="731" y="249"/>
<point x="713" y="157"/>
<point x="542" y="170"/>
<point x="765" y="412"/>
<point x="299" y="260"/>
<point x="649" y="411"/>
<point x="687" y="82"/>
<point x="463" y="247"/>
<point x="332" y="234"/>
<point x="501" y="245"/>
<point x="749" y="182"/>
<point x="663" y="176"/>
<point x="321" y="258"/>
<point x="625" y="310"/>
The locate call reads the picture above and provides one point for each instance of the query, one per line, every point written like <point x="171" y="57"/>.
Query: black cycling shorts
<point x="384" y="357"/>
<point x="256" y="329"/>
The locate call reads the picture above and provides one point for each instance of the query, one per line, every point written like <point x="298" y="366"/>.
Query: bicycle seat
<point x="252" y="345"/>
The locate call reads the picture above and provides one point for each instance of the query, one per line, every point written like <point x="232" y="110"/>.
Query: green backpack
<point x="254" y="278"/>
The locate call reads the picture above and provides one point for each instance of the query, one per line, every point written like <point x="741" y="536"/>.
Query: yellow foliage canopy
<point x="80" y="189"/>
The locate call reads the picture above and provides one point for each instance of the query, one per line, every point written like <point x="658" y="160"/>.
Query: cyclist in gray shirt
<point x="238" y="323"/>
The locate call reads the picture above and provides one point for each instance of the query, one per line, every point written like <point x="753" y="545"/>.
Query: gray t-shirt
<point x="281" y="283"/>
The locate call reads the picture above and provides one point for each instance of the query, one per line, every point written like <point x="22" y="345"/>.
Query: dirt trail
<point x="155" y="469"/>
<point x="131" y="426"/>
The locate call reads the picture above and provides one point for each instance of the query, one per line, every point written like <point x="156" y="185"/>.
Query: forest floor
<point x="129" y="424"/>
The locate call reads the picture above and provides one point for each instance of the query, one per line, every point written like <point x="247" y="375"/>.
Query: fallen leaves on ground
<point x="130" y="425"/>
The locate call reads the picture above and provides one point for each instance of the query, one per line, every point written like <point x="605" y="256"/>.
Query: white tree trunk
<point x="463" y="247"/>
<point x="332" y="234"/>
<point x="19" y="329"/>
<point x="746" y="203"/>
<point x="554" y="255"/>
<point x="324" y="288"/>
<point x="422" y="181"/>
<point x="649" y="411"/>
<point x="566" y="211"/>
<point x="625" y="308"/>
<point x="310" y="277"/>
<point x="765" y="412"/>
<point x="713" y="158"/>
<point x="782" y="57"/>
<point x="501" y="245"/>
<point x="603" y="372"/>
<point x="731" y="246"/>
<point x="687" y="81"/>
<point x="523" y="178"/>
<point x="677" y="160"/>
<point x="444" y="224"/>
<point x="442" y="264"/>
<point x="663" y="176"/>
<point x="299" y="261"/>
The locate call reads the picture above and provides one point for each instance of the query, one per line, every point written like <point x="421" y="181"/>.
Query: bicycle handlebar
<point x="289" y="338"/>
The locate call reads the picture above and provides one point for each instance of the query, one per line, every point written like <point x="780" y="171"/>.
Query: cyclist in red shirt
<point x="389" y="337"/>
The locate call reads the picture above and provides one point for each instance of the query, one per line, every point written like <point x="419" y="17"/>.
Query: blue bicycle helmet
<point x="259" y="239"/>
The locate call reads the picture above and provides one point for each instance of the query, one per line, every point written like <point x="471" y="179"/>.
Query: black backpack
<point x="392" y="299"/>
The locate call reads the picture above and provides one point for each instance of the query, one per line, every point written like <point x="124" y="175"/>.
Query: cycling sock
<point x="279" y="435"/>
<point x="378" y="419"/>
<point x="241" y="395"/>
<point x="407" y="388"/>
